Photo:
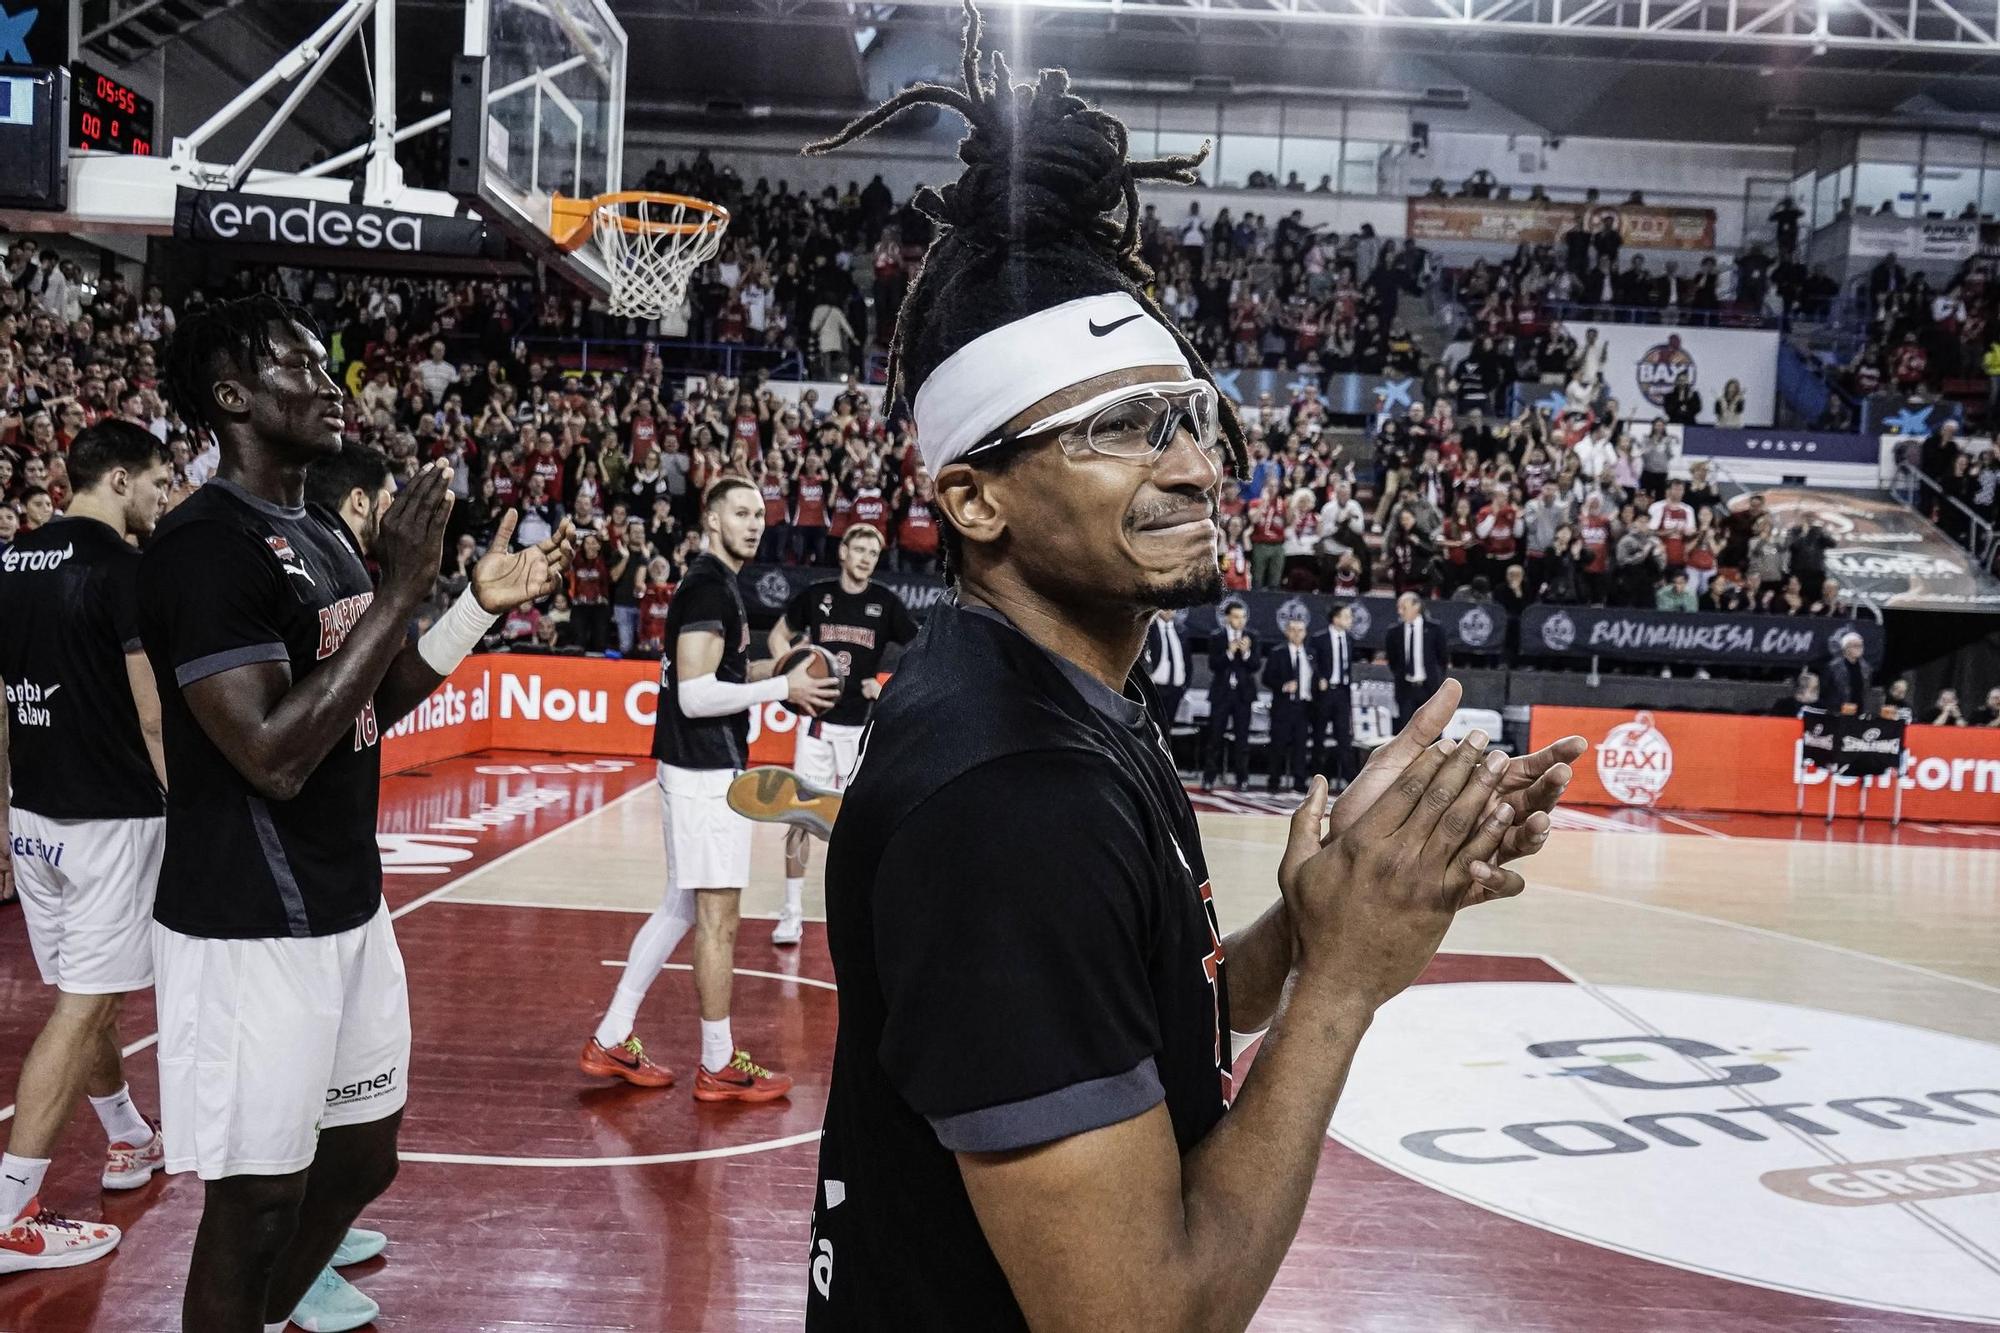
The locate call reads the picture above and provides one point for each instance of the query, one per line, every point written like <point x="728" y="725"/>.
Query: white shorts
<point x="265" y="1042"/>
<point x="708" y="844"/>
<point x="86" y="888"/>
<point x="827" y="760"/>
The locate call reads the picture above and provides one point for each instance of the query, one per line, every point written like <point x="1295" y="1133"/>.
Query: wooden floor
<point x="1708" y="1073"/>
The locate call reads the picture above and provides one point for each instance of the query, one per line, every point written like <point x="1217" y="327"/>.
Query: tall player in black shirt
<point x="857" y="621"/>
<point x="1033" y="1118"/>
<point x="701" y="741"/>
<point x="284" y="1015"/>
<point x="80" y="741"/>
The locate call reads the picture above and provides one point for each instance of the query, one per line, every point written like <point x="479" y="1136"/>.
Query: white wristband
<point x="457" y="632"/>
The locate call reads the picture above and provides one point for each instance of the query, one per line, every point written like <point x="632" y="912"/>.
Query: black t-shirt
<point x="707" y="599"/>
<point x="232" y="579"/>
<point x="1020" y="922"/>
<point x="68" y="617"/>
<point x="857" y="628"/>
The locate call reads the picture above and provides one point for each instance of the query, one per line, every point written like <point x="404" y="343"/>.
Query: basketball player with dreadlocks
<point x="1033" y="1118"/>
<point x="284" y="1011"/>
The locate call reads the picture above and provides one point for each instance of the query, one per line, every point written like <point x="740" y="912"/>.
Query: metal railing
<point x="1981" y="537"/>
<point x="677" y="356"/>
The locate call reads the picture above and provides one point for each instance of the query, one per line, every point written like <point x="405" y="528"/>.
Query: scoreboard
<point x="106" y="115"/>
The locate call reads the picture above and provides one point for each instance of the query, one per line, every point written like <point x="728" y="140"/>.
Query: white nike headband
<point x="1000" y="374"/>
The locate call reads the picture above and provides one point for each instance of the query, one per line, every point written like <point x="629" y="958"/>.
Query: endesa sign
<point x="1715" y="761"/>
<point x="577" y="705"/>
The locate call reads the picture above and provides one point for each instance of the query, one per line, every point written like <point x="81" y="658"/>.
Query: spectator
<point x="1896" y="701"/>
<point x="1945" y="711"/>
<point x="1675" y="595"/>
<point x="1639" y="563"/>
<point x="1729" y="405"/>
<point x="1682" y="403"/>
<point x="436" y="375"/>
<point x="1804" y="695"/>
<point x="1987" y="714"/>
<point x="1845" y="679"/>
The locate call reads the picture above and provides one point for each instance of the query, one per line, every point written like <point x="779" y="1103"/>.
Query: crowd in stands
<point x="1458" y="497"/>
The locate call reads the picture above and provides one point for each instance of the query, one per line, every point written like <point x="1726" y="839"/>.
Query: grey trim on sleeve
<point x="132" y="645"/>
<point x="1049" y="1116"/>
<point x="697" y="626"/>
<point x="229" y="659"/>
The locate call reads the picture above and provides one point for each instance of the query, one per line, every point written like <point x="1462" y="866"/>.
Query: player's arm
<point x="146" y="700"/>
<point x="778" y="643"/>
<point x="275" y="731"/>
<point x="698" y="652"/>
<point x="1114" y="1228"/>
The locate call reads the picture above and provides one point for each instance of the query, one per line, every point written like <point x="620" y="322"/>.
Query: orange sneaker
<point x="741" y="1080"/>
<point x="772" y="795"/>
<point x="626" y="1060"/>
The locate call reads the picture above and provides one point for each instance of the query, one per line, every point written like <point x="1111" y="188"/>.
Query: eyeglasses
<point x="1136" y="422"/>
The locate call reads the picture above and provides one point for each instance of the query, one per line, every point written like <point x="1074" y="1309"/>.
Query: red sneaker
<point x="626" y="1060"/>
<point x="127" y="1166"/>
<point x="741" y="1080"/>
<point x="40" y="1238"/>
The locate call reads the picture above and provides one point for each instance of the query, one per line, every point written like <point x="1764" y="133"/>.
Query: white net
<point x="651" y="247"/>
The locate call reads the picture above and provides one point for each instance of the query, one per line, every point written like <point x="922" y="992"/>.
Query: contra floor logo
<point x="1841" y="1157"/>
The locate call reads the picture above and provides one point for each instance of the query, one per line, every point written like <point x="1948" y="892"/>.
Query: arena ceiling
<point x="1701" y="70"/>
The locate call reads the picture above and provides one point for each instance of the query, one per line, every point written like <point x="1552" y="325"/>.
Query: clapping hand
<point x="506" y="578"/>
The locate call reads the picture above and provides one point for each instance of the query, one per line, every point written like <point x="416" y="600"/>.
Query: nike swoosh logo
<point x="18" y="1180"/>
<point x="1100" y="330"/>
<point x="45" y="694"/>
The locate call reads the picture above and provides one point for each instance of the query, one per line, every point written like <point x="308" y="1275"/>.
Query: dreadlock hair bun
<point x="1045" y="212"/>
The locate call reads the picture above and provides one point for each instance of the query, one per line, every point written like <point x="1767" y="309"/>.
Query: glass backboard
<point x="552" y="114"/>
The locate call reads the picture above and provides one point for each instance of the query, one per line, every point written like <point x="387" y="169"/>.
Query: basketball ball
<point x="819" y="663"/>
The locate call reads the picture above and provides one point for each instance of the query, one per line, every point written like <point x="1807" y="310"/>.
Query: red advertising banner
<point x="1717" y="761"/>
<point x="577" y="705"/>
<point x="1539" y="222"/>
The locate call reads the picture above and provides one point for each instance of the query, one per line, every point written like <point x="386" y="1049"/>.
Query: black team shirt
<point x="68" y="616"/>
<point x="707" y="599"/>
<point x="857" y="628"/>
<point x="1021" y="926"/>
<point x="231" y="579"/>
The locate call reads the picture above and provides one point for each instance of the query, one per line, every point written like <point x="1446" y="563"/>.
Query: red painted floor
<point x="553" y="1239"/>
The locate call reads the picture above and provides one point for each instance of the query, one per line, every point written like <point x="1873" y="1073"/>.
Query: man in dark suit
<point x="1333" y="697"/>
<point x="1844" y="680"/>
<point x="1232" y="688"/>
<point x="1290" y="677"/>
<point x="1164" y="659"/>
<point x="1415" y="650"/>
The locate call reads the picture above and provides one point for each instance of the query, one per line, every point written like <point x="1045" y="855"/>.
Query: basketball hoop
<point x="651" y="243"/>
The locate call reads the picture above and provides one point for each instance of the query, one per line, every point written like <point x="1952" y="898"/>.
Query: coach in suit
<point x="1165" y="660"/>
<point x="1416" y="656"/>
<point x="1232" y="689"/>
<point x="1845" y="679"/>
<point x="1333" y="696"/>
<point x="1289" y="675"/>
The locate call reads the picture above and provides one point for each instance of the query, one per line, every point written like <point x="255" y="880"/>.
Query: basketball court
<point x="1707" y="1073"/>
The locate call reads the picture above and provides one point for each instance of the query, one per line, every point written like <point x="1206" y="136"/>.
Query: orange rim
<point x="571" y="221"/>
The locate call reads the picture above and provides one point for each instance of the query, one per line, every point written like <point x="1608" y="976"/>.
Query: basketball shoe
<point x="791" y="928"/>
<point x="779" y="796"/>
<point x="40" y="1238"/>
<point x="334" y="1305"/>
<point x="626" y="1060"/>
<point x="127" y="1166"/>
<point x="741" y="1080"/>
<point x="358" y="1246"/>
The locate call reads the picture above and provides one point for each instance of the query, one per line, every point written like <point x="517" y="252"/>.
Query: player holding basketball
<point x="79" y="738"/>
<point x="701" y="741"/>
<point x="284" y="1012"/>
<point x="855" y="620"/>
<point x="1033" y="1119"/>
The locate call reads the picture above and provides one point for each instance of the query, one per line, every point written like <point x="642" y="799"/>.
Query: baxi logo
<point x="1635" y="761"/>
<point x="1660" y="365"/>
<point x="1837" y="1156"/>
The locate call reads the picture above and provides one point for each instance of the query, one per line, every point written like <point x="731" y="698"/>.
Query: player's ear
<point x="966" y="496"/>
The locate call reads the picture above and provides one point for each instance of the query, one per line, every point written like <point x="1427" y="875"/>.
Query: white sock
<point x="651" y="947"/>
<point x="795" y="895"/>
<point x="20" y="1181"/>
<point x="121" y="1120"/>
<point x="278" y="1327"/>
<point x="718" y="1048"/>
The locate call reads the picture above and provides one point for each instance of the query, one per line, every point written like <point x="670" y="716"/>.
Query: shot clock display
<point x="108" y="116"/>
